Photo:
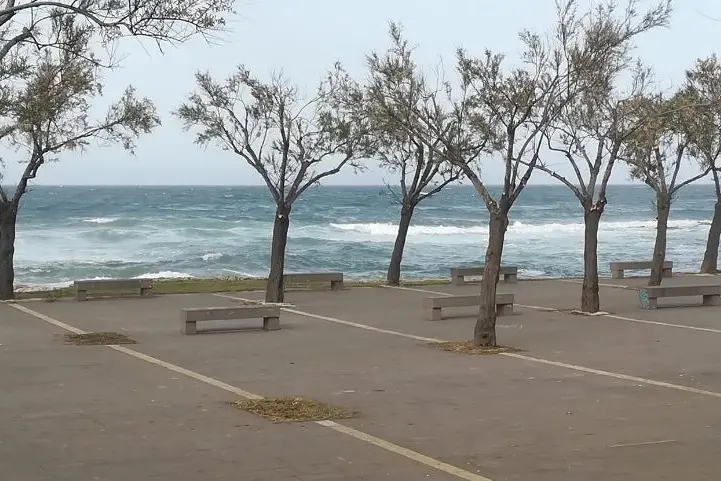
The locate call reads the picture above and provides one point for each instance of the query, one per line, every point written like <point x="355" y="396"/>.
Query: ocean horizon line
<point x="552" y="184"/>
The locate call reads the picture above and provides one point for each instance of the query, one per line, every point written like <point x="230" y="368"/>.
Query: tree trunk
<point x="590" y="301"/>
<point x="484" y="334"/>
<point x="710" y="257"/>
<point x="8" y="218"/>
<point x="663" y="208"/>
<point x="393" y="277"/>
<point x="274" y="291"/>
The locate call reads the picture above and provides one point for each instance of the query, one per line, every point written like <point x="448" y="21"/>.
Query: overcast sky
<point x="304" y="39"/>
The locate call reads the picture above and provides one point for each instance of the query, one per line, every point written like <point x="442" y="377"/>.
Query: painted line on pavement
<point x="664" y="324"/>
<point x="394" y="448"/>
<point x="346" y="323"/>
<point x="253" y="301"/>
<point x="614" y="286"/>
<point x="615" y="375"/>
<point x="647" y="443"/>
<point x="47" y="319"/>
<point x="448" y="294"/>
<point x="340" y="428"/>
<point x="605" y="314"/>
<point x="538" y="360"/>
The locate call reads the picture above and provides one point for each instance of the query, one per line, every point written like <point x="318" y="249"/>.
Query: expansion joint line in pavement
<point x="340" y="428"/>
<point x="538" y="360"/>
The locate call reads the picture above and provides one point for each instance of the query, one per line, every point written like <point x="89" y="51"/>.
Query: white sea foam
<point x="517" y="227"/>
<point x="388" y="229"/>
<point x="211" y="256"/>
<point x="532" y="273"/>
<point x="100" y="220"/>
<point x="165" y="275"/>
<point x="42" y="287"/>
<point x="244" y="274"/>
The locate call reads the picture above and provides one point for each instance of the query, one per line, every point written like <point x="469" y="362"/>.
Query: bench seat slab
<point x="434" y="305"/>
<point x="144" y="286"/>
<point x="459" y="274"/>
<point x="648" y="296"/>
<point x="190" y="317"/>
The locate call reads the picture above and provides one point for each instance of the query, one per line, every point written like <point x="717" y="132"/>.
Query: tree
<point x="703" y="83"/>
<point x="655" y="154"/>
<point x="395" y="78"/>
<point x="29" y="27"/>
<point x="45" y="109"/>
<point x="589" y="134"/>
<point x="291" y="141"/>
<point x="511" y="108"/>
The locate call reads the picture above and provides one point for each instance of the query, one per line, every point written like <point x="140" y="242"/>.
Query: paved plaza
<point x="631" y="395"/>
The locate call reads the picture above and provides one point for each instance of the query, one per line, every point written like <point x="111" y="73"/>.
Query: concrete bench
<point x="190" y="317"/>
<point x="144" y="286"/>
<point x="648" y="296"/>
<point x="335" y="278"/>
<point x="434" y="305"/>
<point x="617" y="268"/>
<point x="459" y="274"/>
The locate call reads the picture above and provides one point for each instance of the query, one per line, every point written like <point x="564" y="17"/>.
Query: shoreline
<point x="197" y="285"/>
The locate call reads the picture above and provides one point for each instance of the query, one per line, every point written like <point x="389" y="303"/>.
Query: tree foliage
<point x="410" y="111"/>
<point x="395" y="84"/>
<point x="703" y="91"/>
<point x="667" y="139"/>
<point x="46" y="107"/>
<point x="290" y="140"/>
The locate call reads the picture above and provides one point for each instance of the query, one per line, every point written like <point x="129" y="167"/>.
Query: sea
<point x="85" y="232"/>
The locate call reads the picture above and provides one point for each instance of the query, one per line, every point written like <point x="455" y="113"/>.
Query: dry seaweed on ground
<point x="467" y="347"/>
<point x="98" y="339"/>
<point x="292" y="409"/>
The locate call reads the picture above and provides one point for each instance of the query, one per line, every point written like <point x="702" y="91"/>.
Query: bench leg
<point x="81" y="295"/>
<point x="146" y="291"/>
<point x="617" y="274"/>
<point x="435" y="314"/>
<point x="510" y="278"/>
<point x="188" y="327"/>
<point x="504" y="309"/>
<point x="271" y="323"/>
<point x="336" y="285"/>
<point x="667" y="273"/>
<point x="458" y="280"/>
<point x="712" y="300"/>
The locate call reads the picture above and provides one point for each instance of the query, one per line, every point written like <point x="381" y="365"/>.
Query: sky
<point x="304" y="39"/>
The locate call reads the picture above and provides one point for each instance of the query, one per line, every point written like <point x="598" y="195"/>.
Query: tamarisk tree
<point x="655" y="154"/>
<point x="45" y="108"/>
<point x="511" y="108"/>
<point x="703" y="85"/>
<point x="291" y="141"/>
<point x="30" y="27"/>
<point x="589" y="133"/>
<point x="395" y="82"/>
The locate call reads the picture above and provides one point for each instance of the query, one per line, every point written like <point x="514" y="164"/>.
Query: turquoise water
<point x="66" y="233"/>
